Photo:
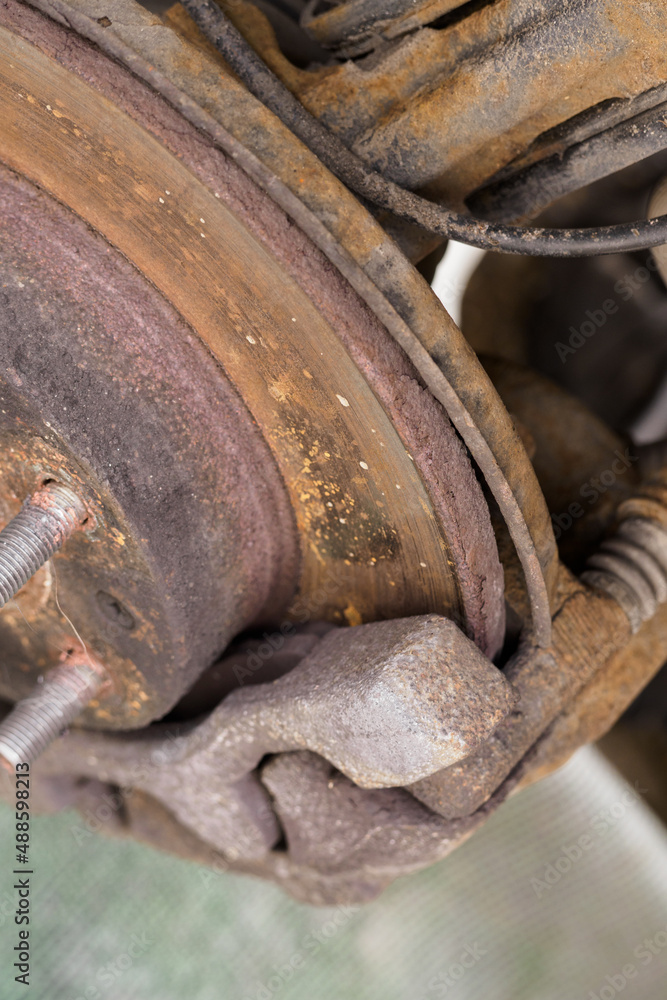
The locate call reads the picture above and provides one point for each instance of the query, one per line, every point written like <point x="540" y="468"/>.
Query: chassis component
<point x="273" y="421"/>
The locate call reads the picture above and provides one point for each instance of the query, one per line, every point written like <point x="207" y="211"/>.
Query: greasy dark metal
<point x="356" y="26"/>
<point x="659" y="198"/>
<point x="359" y="248"/>
<point x="105" y="389"/>
<point x="591" y="122"/>
<point x="46" y="520"/>
<point x="526" y="193"/>
<point x="391" y="516"/>
<point x="36" y="721"/>
<point x="444" y="110"/>
<point x="399" y="200"/>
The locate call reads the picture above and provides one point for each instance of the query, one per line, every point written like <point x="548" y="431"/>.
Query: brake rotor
<point x="325" y="481"/>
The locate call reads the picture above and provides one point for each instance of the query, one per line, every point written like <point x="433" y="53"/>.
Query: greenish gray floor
<point x="531" y="926"/>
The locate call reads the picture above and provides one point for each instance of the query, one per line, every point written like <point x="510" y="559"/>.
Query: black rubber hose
<point x="370" y="184"/>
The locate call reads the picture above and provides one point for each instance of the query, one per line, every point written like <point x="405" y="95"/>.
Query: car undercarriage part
<point x="311" y="619"/>
<point x="42" y="526"/>
<point x="37" y="720"/>
<point x="402" y="203"/>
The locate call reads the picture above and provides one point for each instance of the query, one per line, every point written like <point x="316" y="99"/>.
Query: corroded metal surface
<point x="407" y="737"/>
<point x="378" y="834"/>
<point x="519" y="192"/>
<point x="588" y="630"/>
<point x="37" y="720"/>
<point x="384" y="703"/>
<point x="426" y="695"/>
<point x="576" y="691"/>
<point x="605" y="697"/>
<point x="104" y="388"/>
<point x="356" y="876"/>
<point x="446" y="107"/>
<point x="357" y="246"/>
<point x="48" y="517"/>
<point x="369" y="530"/>
<point x="601" y="701"/>
<point x="356" y="26"/>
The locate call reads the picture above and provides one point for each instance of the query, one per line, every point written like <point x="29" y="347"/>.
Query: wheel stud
<point x="42" y="526"/>
<point x="38" y="719"/>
